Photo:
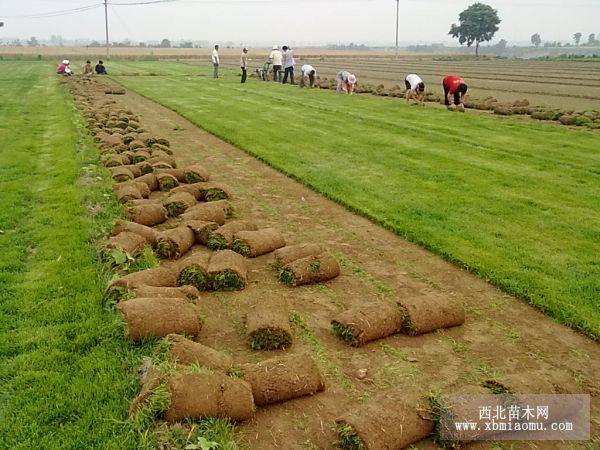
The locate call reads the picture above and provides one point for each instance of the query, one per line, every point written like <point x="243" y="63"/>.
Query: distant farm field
<point x="515" y="202"/>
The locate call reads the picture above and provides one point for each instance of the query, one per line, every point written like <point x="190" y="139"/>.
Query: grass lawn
<point x="66" y="373"/>
<point x="517" y="203"/>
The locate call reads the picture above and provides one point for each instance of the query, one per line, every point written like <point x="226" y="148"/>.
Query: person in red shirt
<point x="456" y="87"/>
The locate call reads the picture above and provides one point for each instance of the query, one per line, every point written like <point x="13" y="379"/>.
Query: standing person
<point x="215" y="61"/>
<point x="244" y="64"/>
<point x="346" y="82"/>
<point x="309" y="74"/>
<point x="454" y="86"/>
<point x="415" y="88"/>
<point x="276" y="58"/>
<point x="100" y="69"/>
<point x="63" y="68"/>
<point x="87" y="69"/>
<point x="288" y="64"/>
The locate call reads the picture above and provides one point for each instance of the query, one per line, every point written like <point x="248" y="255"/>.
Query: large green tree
<point x="478" y="23"/>
<point x="577" y="38"/>
<point x="536" y="39"/>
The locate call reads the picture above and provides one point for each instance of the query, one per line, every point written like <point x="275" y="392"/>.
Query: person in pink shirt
<point x="63" y="68"/>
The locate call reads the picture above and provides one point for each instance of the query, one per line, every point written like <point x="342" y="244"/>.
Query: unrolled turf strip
<point x="365" y="323"/>
<point x="185" y="351"/>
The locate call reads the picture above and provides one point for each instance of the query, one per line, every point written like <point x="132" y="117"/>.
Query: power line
<point x="62" y="12"/>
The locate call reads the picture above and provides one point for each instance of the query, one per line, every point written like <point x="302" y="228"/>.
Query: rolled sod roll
<point x="193" y="271"/>
<point x="116" y="160"/>
<point x="311" y="269"/>
<point x="130" y="243"/>
<point x="149" y="234"/>
<point x="121" y="173"/>
<point x="291" y="253"/>
<point x="161" y="157"/>
<point x="144" y="168"/>
<point x="135" y="169"/>
<point x="366" y="323"/>
<point x="280" y="379"/>
<point x="187" y="352"/>
<point x="175" y="242"/>
<point x="185" y="292"/>
<point x="163" y="148"/>
<point x="128" y="192"/>
<point x="162" y="141"/>
<point x="196" y="174"/>
<point x="212" y="192"/>
<point x="201" y="229"/>
<point x="224" y="205"/>
<point x="207" y="212"/>
<point x="158" y="317"/>
<point x="425" y="314"/>
<point x="222" y="237"/>
<point x="257" y="243"/>
<point x="268" y="327"/>
<point x="157" y="277"/>
<point x="149" y="180"/>
<point x="193" y="189"/>
<point x="177" y="173"/>
<point x="200" y="396"/>
<point x="227" y="271"/>
<point x="166" y="181"/>
<point x="388" y="422"/>
<point x="177" y="204"/>
<point x="141" y="187"/>
<point x="149" y="214"/>
<point x="158" y="165"/>
<point x="140" y="156"/>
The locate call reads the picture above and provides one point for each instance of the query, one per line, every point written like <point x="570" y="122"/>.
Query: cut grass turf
<point x="516" y="203"/>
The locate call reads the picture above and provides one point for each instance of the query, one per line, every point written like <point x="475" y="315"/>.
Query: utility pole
<point x="106" y="27"/>
<point x="397" y="24"/>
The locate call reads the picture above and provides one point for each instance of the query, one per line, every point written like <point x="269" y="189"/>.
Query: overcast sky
<point x="302" y="21"/>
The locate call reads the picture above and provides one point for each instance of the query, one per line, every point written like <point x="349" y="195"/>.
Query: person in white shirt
<point x="244" y="64"/>
<point x="415" y="88"/>
<point x="308" y="76"/>
<point x="346" y="82"/>
<point x="276" y="58"/>
<point x="215" y="61"/>
<point x="288" y="64"/>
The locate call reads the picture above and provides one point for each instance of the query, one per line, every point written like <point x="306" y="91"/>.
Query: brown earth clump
<point x="227" y="271"/>
<point x="158" y="317"/>
<point x="281" y="379"/>
<point x="166" y="181"/>
<point x="202" y="229"/>
<point x="193" y="271"/>
<point x="196" y="174"/>
<point x="428" y="313"/>
<point x="256" y="243"/>
<point x="185" y="292"/>
<point x="365" y="323"/>
<point x="149" y="234"/>
<point x="177" y="204"/>
<point x="200" y="396"/>
<point x="222" y="238"/>
<point x="148" y="214"/>
<point x="175" y="242"/>
<point x="291" y="253"/>
<point x="391" y="421"/>
<point x="268" y="327"/>
<point x="187" y="352"/>
<point x="130" y="243"/>
<point x="207" y="212"/>
<point x="311" y="269"/>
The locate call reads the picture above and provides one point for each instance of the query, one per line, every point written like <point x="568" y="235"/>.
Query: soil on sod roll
<point x="150" y="180"/>
<point x="158" y="317"/>
<point x="179" y="174"/>
<point x="280" y="379"/>
<point x="222" y="238"/>
<point x="120" y="174"/>
<point x="193" y="189"/>
<point x="213" y="192"/>
<point x="157" y="277"/>
<point x="150" y="234"/>
<point x="365" y="323"/>
<point x="391" y="421"/>
<point x="185" y="292"/>
<point x="163" y="160"/>
<point x="201" y="229"/>
<point x="173" y="243"/>
<point x="185" y="351"/>
<point x="291" y="253"/>
<point x="196" y="174"/>
<point x="166" y="181"/>
<point x="141" y="187"/>
<point x="193" y="271"/>
<point x="128" y="242"/>
<point x="116" y="160"/>
<point x="148" y="213"/>
<point x="268" y="327"/>
<point x="128" y="193"/>
<point x="311" y="269"/>
<point x="227" y="271"/>
<point x="177" y="204"/>
<point x="257" y="243"/>
<point x="200" y="396"/>
<point x="428" y="313"/>
<point x="207" y="212"/>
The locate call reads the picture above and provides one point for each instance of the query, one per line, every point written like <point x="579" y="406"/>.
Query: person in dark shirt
<point x="100" y="69"/>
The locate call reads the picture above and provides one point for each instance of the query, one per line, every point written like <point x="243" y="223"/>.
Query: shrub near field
<point x="513" y="202"/>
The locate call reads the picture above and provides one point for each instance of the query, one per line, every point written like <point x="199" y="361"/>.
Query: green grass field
<point x="517" y="203"/>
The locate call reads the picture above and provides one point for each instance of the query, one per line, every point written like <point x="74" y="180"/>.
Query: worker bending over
<point x="415" y="88"/>
<point x="308" y="76"/>
<point x="345" y="82"/>
<point x="63" y="68"/>
<point x="455" y="89"/>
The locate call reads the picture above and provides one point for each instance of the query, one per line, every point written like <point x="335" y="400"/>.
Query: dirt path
<point x="502" y="335"/>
